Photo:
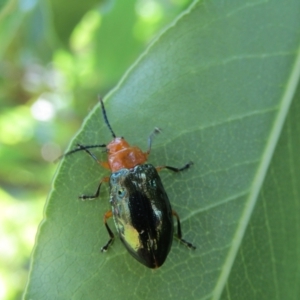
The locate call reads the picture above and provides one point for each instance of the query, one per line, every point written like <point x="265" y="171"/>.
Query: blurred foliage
<point x="223" y="81"/>
<point x="55" y="59"/>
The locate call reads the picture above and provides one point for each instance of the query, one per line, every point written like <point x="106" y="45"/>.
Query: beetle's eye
<point x="121" y="193"/>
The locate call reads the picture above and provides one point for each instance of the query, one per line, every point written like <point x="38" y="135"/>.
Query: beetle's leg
<point x="186" y="166"/>
<point x="80" y="148"/>
<point x="111" y="235"/>
<point x="151" y="136"/>
<point x="179" y="234"/>
<point x="96" y="195"/>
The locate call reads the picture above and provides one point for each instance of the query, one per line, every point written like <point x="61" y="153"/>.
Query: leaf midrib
<point x="271" y="143"/>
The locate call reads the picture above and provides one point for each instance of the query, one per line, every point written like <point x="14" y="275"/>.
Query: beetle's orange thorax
<point x="121" y="155"/>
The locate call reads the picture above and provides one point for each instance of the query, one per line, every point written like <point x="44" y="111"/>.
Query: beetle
<point x="140" y="206"/>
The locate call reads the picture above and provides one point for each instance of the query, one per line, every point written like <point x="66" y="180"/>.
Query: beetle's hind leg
<point x="111" y="235"/>
<point x="179" y="234"/>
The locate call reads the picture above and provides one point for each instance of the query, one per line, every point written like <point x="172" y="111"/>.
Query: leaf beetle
<point x="140" y="206"/>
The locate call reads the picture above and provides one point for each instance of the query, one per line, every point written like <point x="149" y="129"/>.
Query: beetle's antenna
<point x="105" y="117"/>
<point x="154" y="132"/>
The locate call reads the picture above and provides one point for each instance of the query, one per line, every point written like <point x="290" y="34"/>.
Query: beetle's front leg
<point x="96" y="195"/>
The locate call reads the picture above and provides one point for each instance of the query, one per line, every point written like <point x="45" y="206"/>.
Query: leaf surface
<point x="220" y="81"/>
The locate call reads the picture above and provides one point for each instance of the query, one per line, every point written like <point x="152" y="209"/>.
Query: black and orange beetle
<point x="140" y="205"/>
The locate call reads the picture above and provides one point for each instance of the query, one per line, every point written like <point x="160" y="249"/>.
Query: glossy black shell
<point x="142" y="214"/>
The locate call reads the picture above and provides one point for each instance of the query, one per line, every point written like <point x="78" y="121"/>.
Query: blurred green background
<point x="56" y="57"/>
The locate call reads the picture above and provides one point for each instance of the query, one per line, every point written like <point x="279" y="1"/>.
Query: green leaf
<point x="124" y="44"/>
<point x="64" y="26"/>
<point x="221" y="81"/>
<point x="25" y="27"/>
<point x="267" y="264"/>
<point x="11" y="17"/>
